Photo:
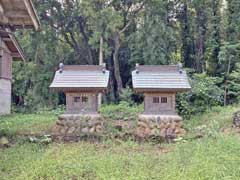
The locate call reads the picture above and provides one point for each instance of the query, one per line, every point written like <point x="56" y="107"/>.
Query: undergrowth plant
<point x="121" y="111"/>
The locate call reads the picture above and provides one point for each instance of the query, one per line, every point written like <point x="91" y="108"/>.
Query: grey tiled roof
<point x="160" y="78"/>
<point x="81" y="77"/>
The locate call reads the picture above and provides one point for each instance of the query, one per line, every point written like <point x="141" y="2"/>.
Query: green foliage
<point x="33" y="77"/>
<point x="127" y="96"/>
<point x="214" y="39"/>
<point x="211" y="123"/>
<point x="154" y="41"/>
<point x="182" y="104"/>
<point x="234" y="84"/>
<point x="45" y="139"/>
<point x="205" y="94"/>
<point x="121" y="111"/>
<point x="26" y="123"/>
<point x="202" y="34"/>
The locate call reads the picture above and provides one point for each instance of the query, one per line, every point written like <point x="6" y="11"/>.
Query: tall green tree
<point x="230" y="50"/>
<point x="214" y="39"/>
<point x="154" y="41"/>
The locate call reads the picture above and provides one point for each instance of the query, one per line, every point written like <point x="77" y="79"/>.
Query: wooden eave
<point x="18" y="14"/>
<point x="162" y="90"/>
<point x="79" y="90"/>
<point x="12" y="44"/>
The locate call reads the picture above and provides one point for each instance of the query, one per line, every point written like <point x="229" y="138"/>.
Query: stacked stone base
<point x="236" y="119"/>
<point x="78" y="127"/>
<point x="167" y="127"/>
<point x="71" y="127"/>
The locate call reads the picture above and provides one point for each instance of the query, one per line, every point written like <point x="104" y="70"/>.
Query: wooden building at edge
<point x="81" y="85"/>
<point x="13" y="14"/>
<point x="159" y="84"/>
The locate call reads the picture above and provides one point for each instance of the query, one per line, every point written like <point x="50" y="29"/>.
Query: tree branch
<point x="133" y="14"/>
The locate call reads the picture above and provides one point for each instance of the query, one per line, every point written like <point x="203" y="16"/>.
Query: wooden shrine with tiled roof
<point x="81" y="85"/>
<point x="159" y="84"/>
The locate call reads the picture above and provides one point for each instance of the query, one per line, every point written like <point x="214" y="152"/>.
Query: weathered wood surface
<point x="159" y="108"/>
<point x="5" y="63"/>
<point x="89" y="107"/>
<point x="18" y="13"/>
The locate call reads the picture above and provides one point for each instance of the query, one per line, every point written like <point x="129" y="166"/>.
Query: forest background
<point x="203" y="35"/>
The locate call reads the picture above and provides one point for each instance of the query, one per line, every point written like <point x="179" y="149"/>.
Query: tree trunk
<point x="112" y="82"/>
<point x="100" y="63"/>
<point x="117" y="74"/>
<point x="187" y="38"/>
<point x="85" y="40"/>
<point x="101" y="51"/>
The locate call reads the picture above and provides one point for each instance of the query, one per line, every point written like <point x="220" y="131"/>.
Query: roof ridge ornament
<point x="137" y="68"/>
<point x="104" y="68"/>
<point x="61" y="65"/>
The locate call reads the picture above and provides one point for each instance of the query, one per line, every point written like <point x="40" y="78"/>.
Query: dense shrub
<point x="131" y="97"/>
<point x="121" y="111"/>
<point x="233" y="86"/>
<point x="205" y="94"/>
<point x="126" y="95"/>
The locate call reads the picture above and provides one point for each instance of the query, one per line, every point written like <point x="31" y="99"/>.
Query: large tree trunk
<point x="112" y="82"/>
<point x="85" y="40"/>
<point x="187" y="38"/>
<point x="100" y="63"/>
<point x="117" y="74"/>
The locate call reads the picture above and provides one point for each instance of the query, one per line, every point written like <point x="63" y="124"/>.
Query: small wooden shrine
<point x="159" y="85"/>
<point x="81" y="85"/>
<point x="13" y="14"/>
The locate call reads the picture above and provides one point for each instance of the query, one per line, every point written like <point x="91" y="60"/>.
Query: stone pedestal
<point x="92" y="116"/>
<point x="159" y="117"/>
<point x="71" y="126"/>
<point x="5" y="96"/>
<point x="168" y="127"/>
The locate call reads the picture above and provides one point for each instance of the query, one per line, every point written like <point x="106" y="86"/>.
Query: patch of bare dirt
<point x="231" y="130"/>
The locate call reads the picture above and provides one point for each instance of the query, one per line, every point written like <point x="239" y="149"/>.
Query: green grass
<point x="26" y="123"/>
<point x="121" y="111"/>
<point x="202" y="159"/>
<point x="212" y="157"/>
<point x="211" y="122"/>
<point x="223" y="115"/>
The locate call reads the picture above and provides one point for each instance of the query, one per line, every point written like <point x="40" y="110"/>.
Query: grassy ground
<point x="216" y="156"/>
<point x="26" y="123"/>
